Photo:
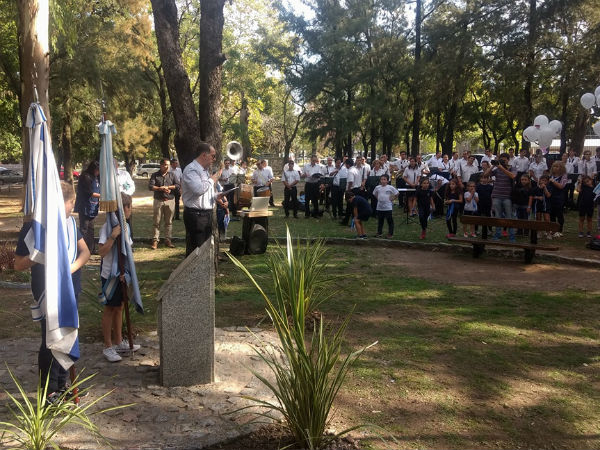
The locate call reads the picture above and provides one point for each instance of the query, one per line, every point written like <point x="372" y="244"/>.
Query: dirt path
<point x="462" y="269"/>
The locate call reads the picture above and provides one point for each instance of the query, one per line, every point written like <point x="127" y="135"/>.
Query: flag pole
<point x="122" y="280"/>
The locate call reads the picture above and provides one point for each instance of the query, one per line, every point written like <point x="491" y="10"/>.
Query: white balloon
<point x="531" y="134"/>
<point x="596" y="128"/>
<point x="588" y="100"/>
<point x="556" y="125"/>
<point x="540" y="121"/>
<point x="546" y="136"/>
<point x="597" y="91"/>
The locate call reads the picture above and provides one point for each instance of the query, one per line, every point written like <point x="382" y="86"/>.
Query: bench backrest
<point x="510" y="223"/>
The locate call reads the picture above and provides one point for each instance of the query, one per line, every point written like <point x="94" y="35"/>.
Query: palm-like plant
<point x="312" y="372"/>
<point x="36" y="423"/>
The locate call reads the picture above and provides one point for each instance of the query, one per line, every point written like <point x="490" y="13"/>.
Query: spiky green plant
<point x="311" y="372"/>
<point x="36" y="423"/>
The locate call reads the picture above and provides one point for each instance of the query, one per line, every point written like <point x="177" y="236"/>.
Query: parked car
<point x="145" y="170"/>
<point x="62" y="174"/>
<point x="8" y="176"/>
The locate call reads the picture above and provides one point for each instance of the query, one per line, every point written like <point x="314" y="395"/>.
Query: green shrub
<point x="37" y="423"/>
<point x="311" y="371"/>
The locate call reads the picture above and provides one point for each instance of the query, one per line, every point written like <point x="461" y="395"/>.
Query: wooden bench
<point x="534" y="226"/>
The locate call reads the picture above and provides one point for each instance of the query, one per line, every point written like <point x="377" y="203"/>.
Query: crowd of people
<point x="523" y="187"/>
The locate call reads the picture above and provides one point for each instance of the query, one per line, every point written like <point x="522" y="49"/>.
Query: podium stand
<point x="255" y="230"/>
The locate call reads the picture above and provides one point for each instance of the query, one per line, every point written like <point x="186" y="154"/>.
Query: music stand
<point x="408" y="218"/>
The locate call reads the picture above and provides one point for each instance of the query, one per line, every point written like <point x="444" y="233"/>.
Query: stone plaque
<point x="186" y="321"/>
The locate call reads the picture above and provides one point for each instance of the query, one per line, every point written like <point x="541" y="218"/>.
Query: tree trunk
<point x="211" y="60"/>
<point x="187" y="127"/>
<point x="416" y="123"/>
<point x="244" y="123"/>
<point x="34" y="63"/>
<point x="527" y="118"/>
<point x="447" y="143"/>
<point x="67" y="145"/>
<point x="579" y="129"/>
<point x="165" y="129"/>
<point x="373" y="143"/>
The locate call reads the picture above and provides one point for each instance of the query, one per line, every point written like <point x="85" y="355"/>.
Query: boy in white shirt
<point x="385" y="195"/>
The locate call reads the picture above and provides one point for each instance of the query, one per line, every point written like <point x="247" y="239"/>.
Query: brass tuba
<point x="234" y="150"/>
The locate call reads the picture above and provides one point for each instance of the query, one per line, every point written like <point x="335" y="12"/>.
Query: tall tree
<point x="211" y="60"/>
<point x="187" y="127"/>
<point x="34" y="61"/>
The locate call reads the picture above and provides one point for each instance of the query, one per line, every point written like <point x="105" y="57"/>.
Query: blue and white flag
<point x="48" y="242"/>
<point x="110" y="201"/>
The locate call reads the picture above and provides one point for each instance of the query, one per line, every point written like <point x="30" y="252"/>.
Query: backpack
<point x="594" y="244"/>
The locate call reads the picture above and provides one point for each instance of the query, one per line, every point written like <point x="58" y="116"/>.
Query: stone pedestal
<point x="186" y="321"/>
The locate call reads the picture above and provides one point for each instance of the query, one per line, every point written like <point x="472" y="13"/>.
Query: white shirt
<point x="227" y="173"/>
<point x="329" y="169"/>
<point x="520" y="164"/>
<point x="197" y="187"/>
<point x="444" y="166"/>
<point x="435" y="162"/>
<point x="436" y="181"/>
<point x="384" y="195"/>
<point x="363" y="171"/>
<point x="470" y="204"/>
<point x="466" y="171"/>
<point x="309" y="170"/>
<point x="411" y="176"/>
<point x="354" y="178"/>
<point x="107" y="261"/>
<point x="572" y="164"/>
<point x="454" y="165"/>
<point x="488" y="159"/>
<point x="126" y="184"/>
<point x="289" y="176"/>
<point x="260" y="177"/>
<point x="400" y="164"/>
<point x="587" y="167"/>
<point x="538" y="169"/>
<point x="342" y="173"/>
<point x="378" y="172"/>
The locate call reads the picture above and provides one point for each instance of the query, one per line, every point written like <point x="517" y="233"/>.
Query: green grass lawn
<point x="455" y="366"/>
<point x="467" y="366"/>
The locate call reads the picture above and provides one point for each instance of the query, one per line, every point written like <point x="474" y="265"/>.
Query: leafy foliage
<point x="311" y="373"/>
<point x="36" y="423"/>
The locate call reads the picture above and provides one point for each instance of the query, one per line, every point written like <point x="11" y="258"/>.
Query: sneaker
<point x="422" y="235"/>
<point x="111" y="354"/>
<point x="450" y="235"/>
<point x="55" y="398"/>
<point x="589" y="235"/>
<point x="504" y="233"/>
<point x="558" y="235"/>
<point x="549" y="236"/>
<point x="379" y="235"/>
<point x="581" y="235"/>
<point x="465" y="234"/>
<point x="154" y="245"/>
<point x="364" y="236"/>
<point x="169" y="244"/>
<point x="123" y="347"/>
<point x="473" y="234"/>
<point x="390" y="236"/>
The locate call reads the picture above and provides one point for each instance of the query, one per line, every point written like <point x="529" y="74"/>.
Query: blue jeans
<point x="502" y="207"/>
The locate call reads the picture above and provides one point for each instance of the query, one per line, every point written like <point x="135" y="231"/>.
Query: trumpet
<point x="234" y="150"/>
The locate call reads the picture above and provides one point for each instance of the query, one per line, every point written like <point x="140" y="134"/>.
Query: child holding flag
<point x="78" y="254"/>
